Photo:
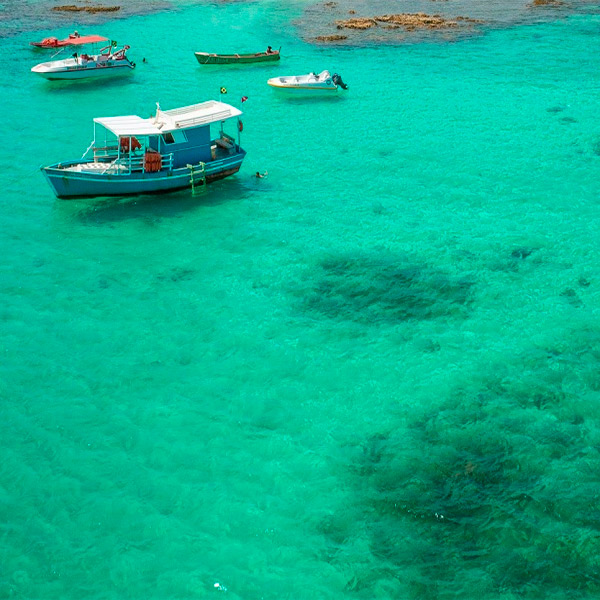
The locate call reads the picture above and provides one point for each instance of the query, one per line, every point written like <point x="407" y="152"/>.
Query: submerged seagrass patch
<point x="385" y="289"/>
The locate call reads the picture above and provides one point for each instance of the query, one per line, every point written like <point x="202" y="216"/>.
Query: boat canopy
<point x="164" y="121"/>
<point x="84" y="39"/>
<point x="195" y="115"/>
<point x="129" y="125"/>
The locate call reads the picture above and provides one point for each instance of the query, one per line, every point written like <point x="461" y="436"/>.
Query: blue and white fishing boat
<point x="172" y="150"/>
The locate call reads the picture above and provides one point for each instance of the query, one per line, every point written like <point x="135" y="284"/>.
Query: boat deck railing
<point x="124" y="164"/>
<point x="103" y="151"/>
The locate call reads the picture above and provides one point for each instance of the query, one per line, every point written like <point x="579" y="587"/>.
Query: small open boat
<point x="204" y="58"/>
<point x="178" y="148"/>
<point x="313" y="82"/>
<point x="52" y="42"/>
<point x="109" y="61"/>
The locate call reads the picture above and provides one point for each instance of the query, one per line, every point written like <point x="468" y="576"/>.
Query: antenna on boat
<point x="157" y="112"/>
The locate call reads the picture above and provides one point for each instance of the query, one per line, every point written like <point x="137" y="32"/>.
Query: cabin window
<point x="174" y="137"/>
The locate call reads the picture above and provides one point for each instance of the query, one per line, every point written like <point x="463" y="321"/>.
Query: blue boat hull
<point x="76" y="184"/>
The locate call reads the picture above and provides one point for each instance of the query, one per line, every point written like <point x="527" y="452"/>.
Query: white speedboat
<point x="316" y="82"/>
<point x="108" y="62"/>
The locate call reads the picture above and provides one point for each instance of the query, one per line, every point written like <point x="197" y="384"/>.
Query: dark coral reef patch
<point x="385" y="289"/>
<point x="493" y="488"/>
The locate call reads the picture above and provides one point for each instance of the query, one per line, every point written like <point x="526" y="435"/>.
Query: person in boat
<point x="260" y="175"/>
<point x="74" y="35"/>
<point x="270" y="50"/>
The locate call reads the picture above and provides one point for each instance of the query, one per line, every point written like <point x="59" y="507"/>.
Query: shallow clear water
<point x="373" y="374"/>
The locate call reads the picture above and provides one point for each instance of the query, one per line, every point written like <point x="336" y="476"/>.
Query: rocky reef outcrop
<point x="407" y="21"/>
<point x="88" y="8"/>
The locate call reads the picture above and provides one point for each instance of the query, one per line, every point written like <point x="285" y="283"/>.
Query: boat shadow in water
<point x="238" y="66"/>
<point x="311" y="97"/>
<point x="151" y="208"/>
<point x="76" y="86"/>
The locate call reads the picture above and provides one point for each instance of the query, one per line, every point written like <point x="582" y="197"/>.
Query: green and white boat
<point x="269" y="55"/>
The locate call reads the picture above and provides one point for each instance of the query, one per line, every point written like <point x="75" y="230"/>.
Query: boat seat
<point x="224" y="143"/>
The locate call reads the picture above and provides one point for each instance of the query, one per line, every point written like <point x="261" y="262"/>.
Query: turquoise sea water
<point x="373" y="374"/>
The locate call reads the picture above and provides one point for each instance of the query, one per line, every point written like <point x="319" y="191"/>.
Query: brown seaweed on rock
<point x="331" y="38"/>
<point x="408" y="21"/>
<point x="356" y="23"/>
<point x="88" y="9"/>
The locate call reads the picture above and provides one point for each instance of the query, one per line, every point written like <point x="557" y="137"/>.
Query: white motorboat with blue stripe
<point x="174" y="149"/>
<point x="312" y="82"/>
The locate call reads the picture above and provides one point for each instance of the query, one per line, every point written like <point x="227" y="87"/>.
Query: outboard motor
<point x="337" y="79"/>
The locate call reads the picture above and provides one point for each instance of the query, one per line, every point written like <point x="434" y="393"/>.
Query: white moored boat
<point x="321" y="82"/>
<point x="108" y="62"/>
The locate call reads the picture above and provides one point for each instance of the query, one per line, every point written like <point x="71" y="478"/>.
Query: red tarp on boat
<point x="70" y="41"/>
